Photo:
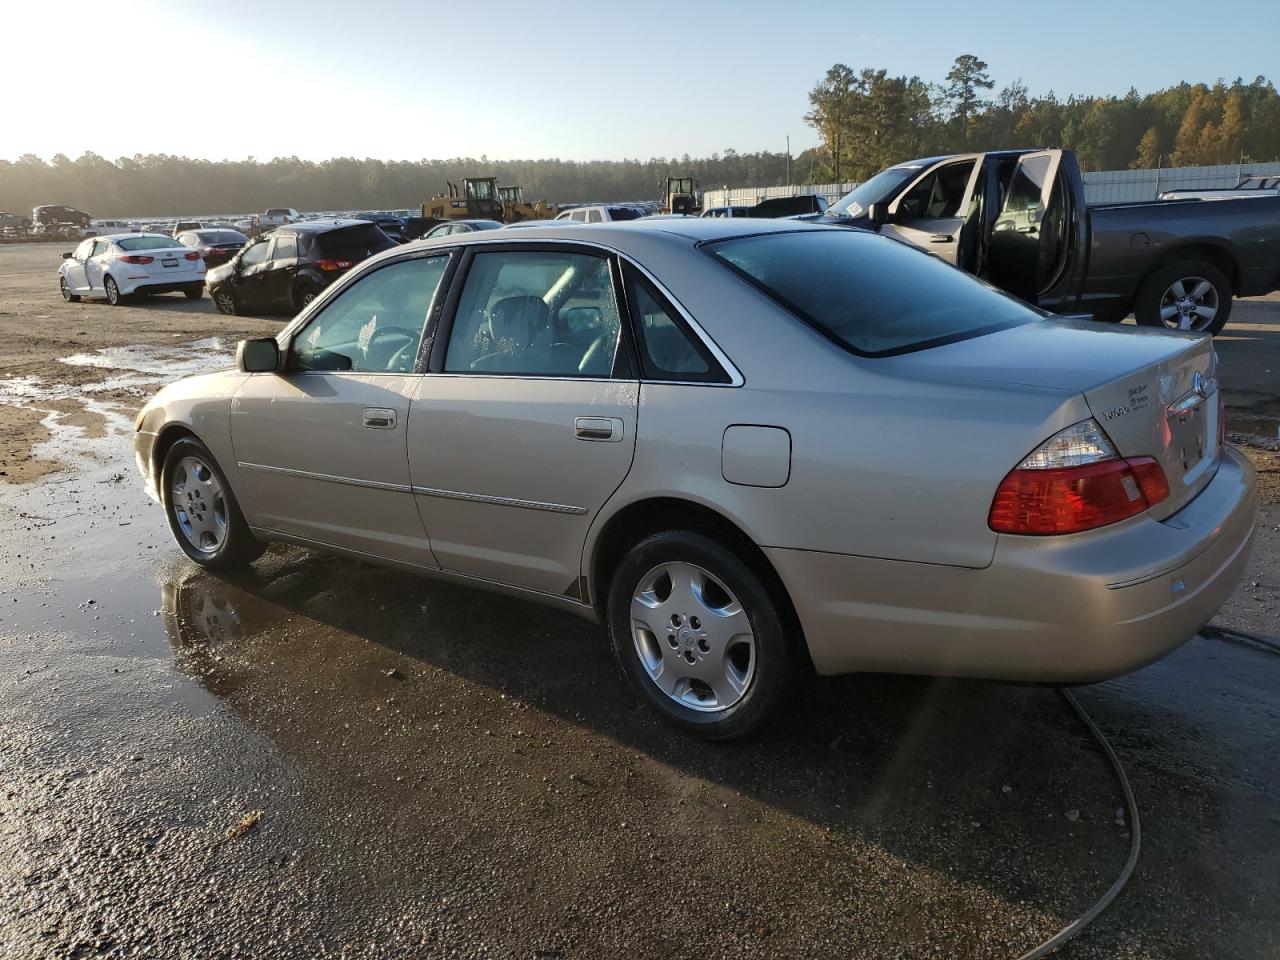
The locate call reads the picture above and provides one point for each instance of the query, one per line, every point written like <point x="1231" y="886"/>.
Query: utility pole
<point x="788" y="159"/>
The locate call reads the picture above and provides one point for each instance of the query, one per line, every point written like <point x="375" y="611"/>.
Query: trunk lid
<point x="168" y="263"/>
<point x="1153" y="391"/>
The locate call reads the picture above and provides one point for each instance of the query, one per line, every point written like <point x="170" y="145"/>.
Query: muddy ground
<point x="323" y="758"/>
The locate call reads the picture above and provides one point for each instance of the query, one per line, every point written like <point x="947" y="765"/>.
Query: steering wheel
<point x="397" y="357"/>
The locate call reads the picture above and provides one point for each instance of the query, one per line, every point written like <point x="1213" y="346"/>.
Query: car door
<point x="97" y="265"/>
<point x="280" y="271"/>
<point x="321" y="445"/>
<point x="248" y="277"/>
<point x="75" y="269"/>
<point x="526" y="423"/>
<point x="1036" y="233"/>
<point x="932" y="211"/>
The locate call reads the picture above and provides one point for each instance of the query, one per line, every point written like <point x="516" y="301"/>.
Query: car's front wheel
<point x="202" y="511"/>
<point x="67" y="295"/>
<point x="225" y="301"/>
<point x="700" y="635"/>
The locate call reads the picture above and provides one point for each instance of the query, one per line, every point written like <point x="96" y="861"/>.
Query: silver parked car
<point x="750" y="448"/>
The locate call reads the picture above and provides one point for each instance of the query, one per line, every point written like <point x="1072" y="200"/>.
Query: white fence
<point x="1101" y="186"/>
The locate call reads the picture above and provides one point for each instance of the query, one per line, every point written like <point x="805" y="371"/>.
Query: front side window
<point x="375" y="325"/>
<point x="668" y="350"/>
<point x="869" y="294"/>
<point x="536" y="313"/>
<point x="83" y="252"/>
<point x="257" y="253"/>
<point x="938" y="195"/>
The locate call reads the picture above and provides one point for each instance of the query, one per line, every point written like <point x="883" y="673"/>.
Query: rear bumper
<point x="1059" y="610"/>
<point x="161" y="284"/>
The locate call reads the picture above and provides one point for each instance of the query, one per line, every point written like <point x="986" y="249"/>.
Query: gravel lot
<point x="323" y="758"/>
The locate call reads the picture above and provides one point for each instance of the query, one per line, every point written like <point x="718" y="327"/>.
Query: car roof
<point x="134" y="233"/>
<point x="321" y="226"/>
<point x="617" y="232"/>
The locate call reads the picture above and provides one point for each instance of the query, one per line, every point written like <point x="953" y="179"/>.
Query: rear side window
<point x="354" y="243"/>
<point x="286" y="247"/>
<point x="668" y="349"/>
<point x="870" y="295"/>
<point x="623" y="213"/>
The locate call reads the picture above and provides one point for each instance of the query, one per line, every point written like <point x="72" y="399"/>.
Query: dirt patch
<point x="20" y="429"/>
<point x="73" y="413"/>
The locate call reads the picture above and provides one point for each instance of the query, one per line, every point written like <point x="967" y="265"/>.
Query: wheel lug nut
<point x="675" y="619"/>
<point x="671" y="639"/>
<point x="693" y="622"/>
<point x="703" y="645"/>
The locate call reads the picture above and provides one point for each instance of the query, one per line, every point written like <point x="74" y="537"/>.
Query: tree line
<point x="868" y="120"/>
<point x="160" y="184"/>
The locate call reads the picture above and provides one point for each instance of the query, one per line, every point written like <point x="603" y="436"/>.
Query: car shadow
<point x="965" y="778"/>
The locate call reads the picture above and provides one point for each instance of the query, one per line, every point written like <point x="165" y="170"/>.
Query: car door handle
<point x="1028" y="229"/>
<point x="380" y="418"/>
<point x="606" y="429"/>
<point x="942" y="238"/>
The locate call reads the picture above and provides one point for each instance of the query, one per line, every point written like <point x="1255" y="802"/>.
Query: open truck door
<point x="1038" y="240"/>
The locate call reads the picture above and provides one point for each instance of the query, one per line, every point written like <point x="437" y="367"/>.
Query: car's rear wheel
<point x="303" y="296"/>
<point x="67" y="295"/>
<point x="202" y="511"/>
<point x="225" y="301"/>
<point x="1189" y="295"/>
<point x="700" y="635"/>
<point x="114" y="297"/>
<point x="195" y="291"/>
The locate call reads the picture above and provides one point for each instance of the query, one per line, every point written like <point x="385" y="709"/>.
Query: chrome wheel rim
<point x="66" y="290"/>
<point x="224" y="302"/>
<point x="308" y="297"/>
<point x="1189" y="304"/>
<point x="693" y="637"/>
<point x="113" y="292"/>
<point x="198" y="504"/>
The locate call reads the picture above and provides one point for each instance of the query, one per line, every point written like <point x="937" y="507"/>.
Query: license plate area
<point x="169" y="262"/>
<point x="1187" y="437"/>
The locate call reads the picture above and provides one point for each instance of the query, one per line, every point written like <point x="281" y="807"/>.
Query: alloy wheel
<point x="1189" y="304"/>
<point x="198" y="504"/>
<point x="66" y="290"/>
<point x="693" y="637"/>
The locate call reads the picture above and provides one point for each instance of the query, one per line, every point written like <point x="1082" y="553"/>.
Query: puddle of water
<point x="158" y="362"/>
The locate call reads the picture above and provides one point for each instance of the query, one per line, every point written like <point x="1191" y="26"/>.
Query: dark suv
<point x="58" y="220"/>
<point x="286" y="269"/>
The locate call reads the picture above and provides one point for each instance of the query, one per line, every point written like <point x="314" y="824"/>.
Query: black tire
<point x="67" y="295"/>
<point x="194" y="292"/>
<point x="224" y="301"/>
<point x="303" y="296"/>
<point x="774" y="661"/>
<point x="114" y="296"/>
<point x="237" y="546"/>
<point x="1151" y="294"/>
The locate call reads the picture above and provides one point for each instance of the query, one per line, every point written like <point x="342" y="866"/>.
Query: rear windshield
<point x="624" y="213"/>
<point x="221" y="236"/>
<point x="871" y="295"/>
<point x="354" y="243"/>
<point x="147" y="243"/>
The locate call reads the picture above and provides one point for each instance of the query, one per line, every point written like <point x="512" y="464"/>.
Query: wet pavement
<point x="325" y="758"/>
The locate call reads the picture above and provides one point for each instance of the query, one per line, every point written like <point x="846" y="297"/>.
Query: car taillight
<point x="193" y="255"/>
<point x="141" y="261"/>
<point x="1075" y="481"/>
<point x="334" y="264"/>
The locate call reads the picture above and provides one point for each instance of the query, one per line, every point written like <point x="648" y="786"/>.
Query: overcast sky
<point x="544" y="78"/>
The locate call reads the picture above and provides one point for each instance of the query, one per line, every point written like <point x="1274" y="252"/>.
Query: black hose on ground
<point x="1135" y="843"/>
<point x="1223" y="633"/>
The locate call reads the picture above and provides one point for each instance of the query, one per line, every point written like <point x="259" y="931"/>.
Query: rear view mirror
<point x="67" y="256"/>
<point x="261" y="355"/>
<point x="878" y="212"/>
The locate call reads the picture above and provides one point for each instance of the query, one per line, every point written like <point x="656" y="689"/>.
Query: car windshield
<point x="147" y="243"/>
<point x="884" y="184"/>
<point x="354" y="242"/>
<point x="869" y="294"/>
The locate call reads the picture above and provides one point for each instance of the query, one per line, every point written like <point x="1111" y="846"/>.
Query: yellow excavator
<point x="682" y="196"/>
<point x="515" y="208"/>
<point x="477" y="199"/>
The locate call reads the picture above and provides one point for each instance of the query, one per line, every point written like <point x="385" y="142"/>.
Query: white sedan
<point x="116" y="266"/>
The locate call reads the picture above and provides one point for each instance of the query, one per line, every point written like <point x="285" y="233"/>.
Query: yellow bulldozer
<point x="681" y="196"/>
<point x="480" y="198"/>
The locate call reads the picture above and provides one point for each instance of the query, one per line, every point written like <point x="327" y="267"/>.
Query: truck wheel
<point x="1186" y="295"/>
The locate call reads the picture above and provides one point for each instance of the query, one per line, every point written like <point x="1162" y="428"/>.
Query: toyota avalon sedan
<point x="748" y="448"/>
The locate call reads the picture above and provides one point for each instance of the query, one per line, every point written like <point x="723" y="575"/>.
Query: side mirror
<point x="67" y="256"/>
<point x="878" y="213"/>
<point x="261" y="355"/>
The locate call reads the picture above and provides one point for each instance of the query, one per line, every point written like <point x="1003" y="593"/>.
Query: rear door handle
<point x="380" y="418"/>
<point x="605" y="429"/>
<point x="942" y="238"/>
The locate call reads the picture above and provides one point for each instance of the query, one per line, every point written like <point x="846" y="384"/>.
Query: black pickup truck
<point x="1018" y="219"/>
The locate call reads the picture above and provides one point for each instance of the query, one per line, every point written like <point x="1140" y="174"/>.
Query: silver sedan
<point x="748" y="448"/>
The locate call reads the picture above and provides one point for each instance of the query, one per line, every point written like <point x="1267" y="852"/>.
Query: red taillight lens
<point x="332" y="265"/>
<point x="193" y="256"/>
<point x="1072" y="499"/>
<point x="140" y="261"/>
